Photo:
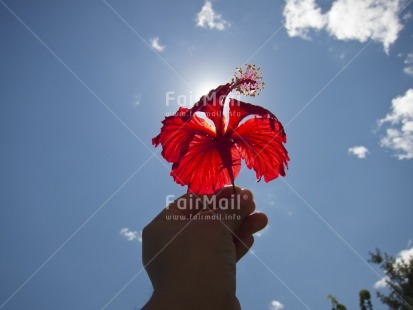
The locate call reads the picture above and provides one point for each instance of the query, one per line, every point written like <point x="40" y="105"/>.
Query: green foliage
<point x="335" y="304"/>
<point x="399" y="279"/>
<point x="365" y="300"/>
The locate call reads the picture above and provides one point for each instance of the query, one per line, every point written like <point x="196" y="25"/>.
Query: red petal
<point x="238" y="110"/>
<point x="177" y="132"/>
<point x="208" y="165"/>
<point x="212" y="105"/>
<point x="201" y="159"/>
<point x="259" y="140"/>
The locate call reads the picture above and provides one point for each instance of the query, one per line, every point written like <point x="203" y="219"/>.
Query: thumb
<point x="232" y="207"/>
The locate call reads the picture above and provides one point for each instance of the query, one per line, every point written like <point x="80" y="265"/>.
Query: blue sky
<point x="84" y="87"/>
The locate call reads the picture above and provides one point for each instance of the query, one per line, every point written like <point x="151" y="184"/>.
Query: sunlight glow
<point x="204" y="89"/>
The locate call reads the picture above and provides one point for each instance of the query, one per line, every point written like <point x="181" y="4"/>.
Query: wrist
<point x="211" y="285"/>
<point x="192" y="299"/>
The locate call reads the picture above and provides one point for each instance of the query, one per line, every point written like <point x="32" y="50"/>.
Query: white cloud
<point x="276" y="305"/>
<point x="137" y="100"/>
<point x="208" y="18"/>
<point x="403" y="257"/>
<point x="409" y="64"/>
<point x="301" y="16"/>
<point x="156" y="45"/>
<point x="399" y="137"/>
<point x="359" y="20"/>
<point x="407" y="16"/>
<point x="359" y="151"/>
<point x="130" y="235"/>
<point x="362" y="20"/>
<point x="381" y="283"/>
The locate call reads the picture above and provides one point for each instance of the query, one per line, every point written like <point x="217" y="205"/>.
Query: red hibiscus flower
<point x="205" y="157"/>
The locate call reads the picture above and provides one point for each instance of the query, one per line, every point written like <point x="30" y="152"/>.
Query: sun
<point x="204" y="88"/>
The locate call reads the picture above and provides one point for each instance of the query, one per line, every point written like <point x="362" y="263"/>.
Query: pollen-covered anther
<point x="248" y="83"/>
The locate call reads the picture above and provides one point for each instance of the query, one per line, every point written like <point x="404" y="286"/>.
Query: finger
<point x="191" y="203"/>
<point x="244" y="239"/>
<point x="234" y="206"/>
<point x="188" y="204"/>
<point x="239" y="205"/>
<point x="245" y="208"/>
<point x="243" y="243"/>
<point x="247" y="200"/>
<point x="253" y="223"/>
<point x="221" y="199"/>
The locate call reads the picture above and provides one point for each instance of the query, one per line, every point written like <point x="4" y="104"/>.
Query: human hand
<point x="190" y="258"/>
